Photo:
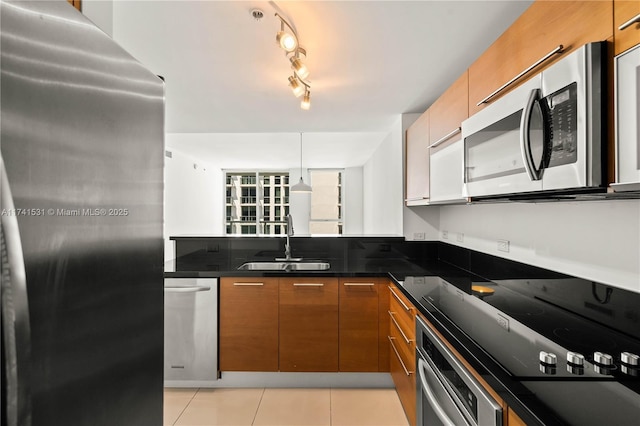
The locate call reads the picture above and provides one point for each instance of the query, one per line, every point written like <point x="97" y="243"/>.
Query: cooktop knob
<point x="602" y="359"/>
<point x="548" y="358"/>
<point x="575" y="358"/>
<point x="630" y="359"/>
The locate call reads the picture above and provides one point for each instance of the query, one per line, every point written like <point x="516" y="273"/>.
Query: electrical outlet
<point x="445" y="235"/>
<point x="460" y="237"/>
<point x="503" y="245"/>
<point x="503" y="321"/>
<point x="419" y="236"/>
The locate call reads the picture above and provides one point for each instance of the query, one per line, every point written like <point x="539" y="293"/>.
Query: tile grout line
<point x="185" y="407"/>
<point x="258" y="407"/>
<point x="330" y="407"/>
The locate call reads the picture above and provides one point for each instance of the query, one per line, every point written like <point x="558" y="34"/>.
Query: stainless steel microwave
<point x="546" y="135"/>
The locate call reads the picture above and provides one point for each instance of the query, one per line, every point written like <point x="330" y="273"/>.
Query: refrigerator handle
<point x="525" y="141"/>
<point x="16" y="330"/>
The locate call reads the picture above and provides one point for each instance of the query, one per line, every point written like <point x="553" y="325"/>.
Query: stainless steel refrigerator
<point x="82" y="143"/>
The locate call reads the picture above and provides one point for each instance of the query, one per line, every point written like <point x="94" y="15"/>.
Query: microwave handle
<point x="525" y="142"/>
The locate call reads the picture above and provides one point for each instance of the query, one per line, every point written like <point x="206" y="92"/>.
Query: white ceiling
<point x="370" y="61"/>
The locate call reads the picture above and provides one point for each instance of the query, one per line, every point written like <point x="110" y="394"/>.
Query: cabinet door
<point x="449" y="111"/>
<point x="623" y="12"/>
<point x="308" y="324"/>
<point x="249" y="324"/>
<point x="539" y="30"/>
<point x="417" y="162"/>
<point x="358" y="339"/>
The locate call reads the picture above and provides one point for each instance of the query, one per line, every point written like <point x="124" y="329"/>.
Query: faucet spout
<point x="287" y="246"/>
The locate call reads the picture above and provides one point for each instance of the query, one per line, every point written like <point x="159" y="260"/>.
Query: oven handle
<point x="433" y="402"/>
<point x="525" y="141"/>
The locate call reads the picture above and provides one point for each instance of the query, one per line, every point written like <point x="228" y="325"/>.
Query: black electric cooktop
<point x="531" y="338"/>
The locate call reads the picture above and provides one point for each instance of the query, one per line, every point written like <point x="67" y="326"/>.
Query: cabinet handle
<point x="558" y="49"/>
<point x="308" y="284"/>
<point x="404" y="367"/>
<point x="359" y="284"/>
<point x="404" y="336"/>
<point x="416" y="198"/>
<point x="191" y="289"/>
<point x="404" y="305"/>
<point x="634" y="20"/>
<point x="248" y="284"/>
<point x="445" y="137"/>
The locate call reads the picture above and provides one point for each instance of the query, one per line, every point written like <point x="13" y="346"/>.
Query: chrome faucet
<point x="287" y="246"/>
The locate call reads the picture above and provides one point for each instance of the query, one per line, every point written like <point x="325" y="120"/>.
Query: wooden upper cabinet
<point x="449" y="111"/>
<point x="539" y="30"/>
<point x="359" y="324"/>
<point x="417" y="162"/>
<point x="76" y="3"/>
<point x="248" y="324"/>
<point x="623" y="12"/>
<point x="309" y="324"/>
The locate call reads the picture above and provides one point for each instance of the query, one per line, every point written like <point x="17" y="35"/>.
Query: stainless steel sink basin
<point x="284" y="266"/>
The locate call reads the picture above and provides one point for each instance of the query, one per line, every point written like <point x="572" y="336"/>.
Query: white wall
<point x="100" y="12"/>
<point x="382" y="189"/>
<point x="594" y="240"/>
<point x="192" y="194"/>
<point x="353" y="201"/>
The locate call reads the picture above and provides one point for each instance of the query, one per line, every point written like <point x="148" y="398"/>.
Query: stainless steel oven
<point x="545" y="135"/>
<point x="447" y="393"/>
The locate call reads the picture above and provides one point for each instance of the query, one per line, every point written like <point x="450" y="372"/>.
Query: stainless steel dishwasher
<point x="190" y="331"/>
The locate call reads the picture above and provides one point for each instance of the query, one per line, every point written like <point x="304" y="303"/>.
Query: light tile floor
<point x="282" y="407"/>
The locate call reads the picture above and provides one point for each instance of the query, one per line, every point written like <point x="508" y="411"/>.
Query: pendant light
<point x="301" y="186"/>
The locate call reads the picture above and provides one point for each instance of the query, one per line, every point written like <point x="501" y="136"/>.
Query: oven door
<point x="435" y="406"/>
<point x="447" y="392"/>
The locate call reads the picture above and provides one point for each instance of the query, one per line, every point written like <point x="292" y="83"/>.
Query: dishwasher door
<point x="190" y="331"/>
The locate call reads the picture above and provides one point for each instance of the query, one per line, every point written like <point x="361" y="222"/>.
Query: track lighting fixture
<point x="287" y="39"/>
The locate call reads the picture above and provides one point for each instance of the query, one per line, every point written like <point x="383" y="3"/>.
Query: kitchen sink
<point x="285" y="266"/>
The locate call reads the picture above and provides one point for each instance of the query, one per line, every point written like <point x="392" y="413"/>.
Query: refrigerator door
<point x="16" y="330"/>
<point x="83" y="143"/>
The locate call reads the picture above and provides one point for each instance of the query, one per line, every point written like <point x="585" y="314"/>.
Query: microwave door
<point x="572" y="91"/>
<point x="494" y="163"/>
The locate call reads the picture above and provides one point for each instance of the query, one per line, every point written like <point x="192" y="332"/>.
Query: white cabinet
<point x="627" y="121"/>
<point x="447" y="172"/>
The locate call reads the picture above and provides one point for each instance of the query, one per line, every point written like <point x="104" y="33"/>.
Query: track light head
<point x="306" y="100"/>
<point x="286" y="41"/>
<point x="296" y="86"/>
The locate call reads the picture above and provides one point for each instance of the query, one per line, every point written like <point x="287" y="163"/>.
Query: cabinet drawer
<point x="403" y="310"/>
<point x="403" y="376"/>
<point x="404" y="344"/>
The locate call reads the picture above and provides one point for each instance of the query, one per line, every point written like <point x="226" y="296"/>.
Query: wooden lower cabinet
<point x="308" y="324"/>
<point x="358" y="325"/>
<point x="248" y="324"/>
<point x="402" y="351"/>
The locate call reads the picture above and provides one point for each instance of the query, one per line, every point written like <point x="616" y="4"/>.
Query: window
<point x="250" y="203"/>
<point x="326" y="202"/>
